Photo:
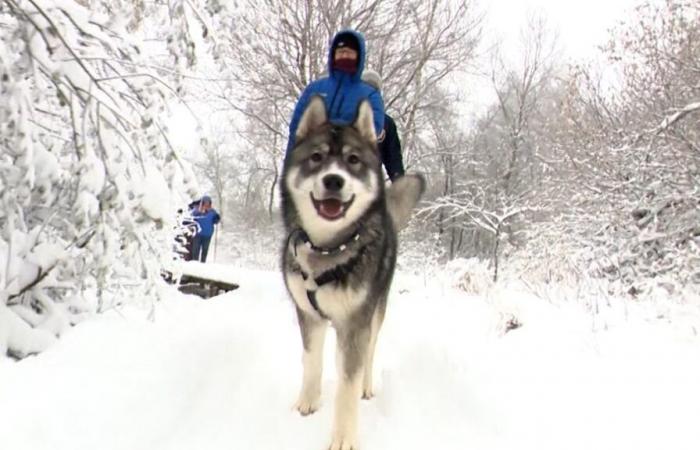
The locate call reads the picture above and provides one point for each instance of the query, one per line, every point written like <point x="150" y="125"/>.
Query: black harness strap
<point x="336" y="274"/>
<point x="311" y="295"/>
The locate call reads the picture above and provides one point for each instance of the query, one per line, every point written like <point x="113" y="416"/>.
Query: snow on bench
<point x="212" y="278"/>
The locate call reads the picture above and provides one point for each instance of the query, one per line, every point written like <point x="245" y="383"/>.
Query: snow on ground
<point x="223" y="374"/>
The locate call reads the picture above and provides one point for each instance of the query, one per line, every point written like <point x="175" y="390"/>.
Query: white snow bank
<point x="224" y="374"/>
<point x="17" y="336"/>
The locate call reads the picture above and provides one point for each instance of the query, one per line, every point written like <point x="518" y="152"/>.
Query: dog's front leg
<point x="351" y="355"/>
<point x="377" y="319"/>
<point x="313" y="333"/>
<point x="367" y="392"/>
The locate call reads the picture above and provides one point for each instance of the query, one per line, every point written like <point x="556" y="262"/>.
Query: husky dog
<point x="339" y="257"/>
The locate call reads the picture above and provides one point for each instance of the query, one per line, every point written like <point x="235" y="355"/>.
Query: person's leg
<point x="188" y="248"/>
<point x="205" y="247"/>
<point x="196" y="245"/>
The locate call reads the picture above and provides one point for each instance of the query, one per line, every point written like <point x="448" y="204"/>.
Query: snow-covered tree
<point x="88" y="176"/>
<point x="492" y="180"/>
<point x="636" y="154"/>
<point x="620" y="147"/>
<point x="601" y="163"/>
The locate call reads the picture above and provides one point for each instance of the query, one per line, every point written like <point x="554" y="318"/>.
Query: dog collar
<point x="325" y="250"/>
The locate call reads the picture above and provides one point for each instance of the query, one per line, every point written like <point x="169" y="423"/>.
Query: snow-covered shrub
<point x="653" y="176"/>
<point x="418" y="249"/>
<point x="656" y="247"/>
<point x="554" y="265"/>
<point x="471" y="275"/>
<point x="88" y="179"/>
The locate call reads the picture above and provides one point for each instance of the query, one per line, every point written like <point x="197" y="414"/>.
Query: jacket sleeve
<point x="377" y="102"/>
<point x="393" y="160"/>
<point x="301" y="105"/>
<point x="217" y="217"/>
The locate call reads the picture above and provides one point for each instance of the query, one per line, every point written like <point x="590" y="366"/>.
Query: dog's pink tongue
<point x="331" y="208"/>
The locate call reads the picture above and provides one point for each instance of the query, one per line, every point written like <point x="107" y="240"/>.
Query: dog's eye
<point x="353" y="159"/>
<point x="316" y="157"/>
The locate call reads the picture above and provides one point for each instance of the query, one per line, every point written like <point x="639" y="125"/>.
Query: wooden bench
<point x="202" y="279"/>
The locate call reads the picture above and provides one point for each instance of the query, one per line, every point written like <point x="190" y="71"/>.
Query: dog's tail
<point x="402" y="196"/>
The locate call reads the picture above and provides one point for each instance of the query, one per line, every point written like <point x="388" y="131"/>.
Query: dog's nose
<point x="333" y="182"/>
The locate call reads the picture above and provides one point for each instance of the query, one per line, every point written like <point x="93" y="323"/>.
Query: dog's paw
<point x="343" y="443"/>
<point x="367" y="393"/>
<point x="306" y="406"/>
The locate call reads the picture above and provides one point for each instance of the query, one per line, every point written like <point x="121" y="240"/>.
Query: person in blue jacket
<point x="206" y="217"/>
<point x="389" y="144"/>
<point x="343" y="88"/>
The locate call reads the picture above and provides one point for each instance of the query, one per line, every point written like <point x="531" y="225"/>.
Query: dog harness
<point x="336" y="274"/>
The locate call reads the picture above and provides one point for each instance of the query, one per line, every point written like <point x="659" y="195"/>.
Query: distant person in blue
<point x="206" y="217"/>
<point x="343" y="88"/>
<point x="388" y="144"/>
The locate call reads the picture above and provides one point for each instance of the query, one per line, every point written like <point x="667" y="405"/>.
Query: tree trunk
<point x="495" y="253"/>
<point x="271" y="198"/>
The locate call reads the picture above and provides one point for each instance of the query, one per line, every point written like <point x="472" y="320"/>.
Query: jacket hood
<point x="361" y="53"/>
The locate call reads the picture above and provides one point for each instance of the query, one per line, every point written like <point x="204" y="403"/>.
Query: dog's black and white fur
<point x="339" y="256"/>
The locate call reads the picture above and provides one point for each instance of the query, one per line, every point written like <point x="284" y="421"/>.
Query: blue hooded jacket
<point x="341" y="91"/>
<point x="206" y="220"/>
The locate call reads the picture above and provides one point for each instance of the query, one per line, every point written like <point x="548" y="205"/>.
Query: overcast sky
<point x="581" y="24"/>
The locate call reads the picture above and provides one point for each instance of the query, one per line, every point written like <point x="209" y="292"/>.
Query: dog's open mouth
<point x="331" y="208"/>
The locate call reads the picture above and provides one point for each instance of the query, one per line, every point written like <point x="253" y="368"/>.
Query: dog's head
<point x="333" y="174"/>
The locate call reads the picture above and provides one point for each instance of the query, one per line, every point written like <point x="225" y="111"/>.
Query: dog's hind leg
<point x="351" y="357"/>
<point x="377" y="319"/>
<point x="313" y="334"/>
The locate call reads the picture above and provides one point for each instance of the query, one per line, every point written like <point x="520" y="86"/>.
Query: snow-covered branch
<point x="672" y="119"/>
<point x="89" y="181"/>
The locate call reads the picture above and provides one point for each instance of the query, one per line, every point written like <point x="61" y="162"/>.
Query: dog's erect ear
<point x="364" y="123"/>
<point x="402" y="196"/>
<point x="313" y="117"/>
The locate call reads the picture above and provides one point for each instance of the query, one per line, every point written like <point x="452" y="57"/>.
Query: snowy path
<point x="224" y="373"/>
